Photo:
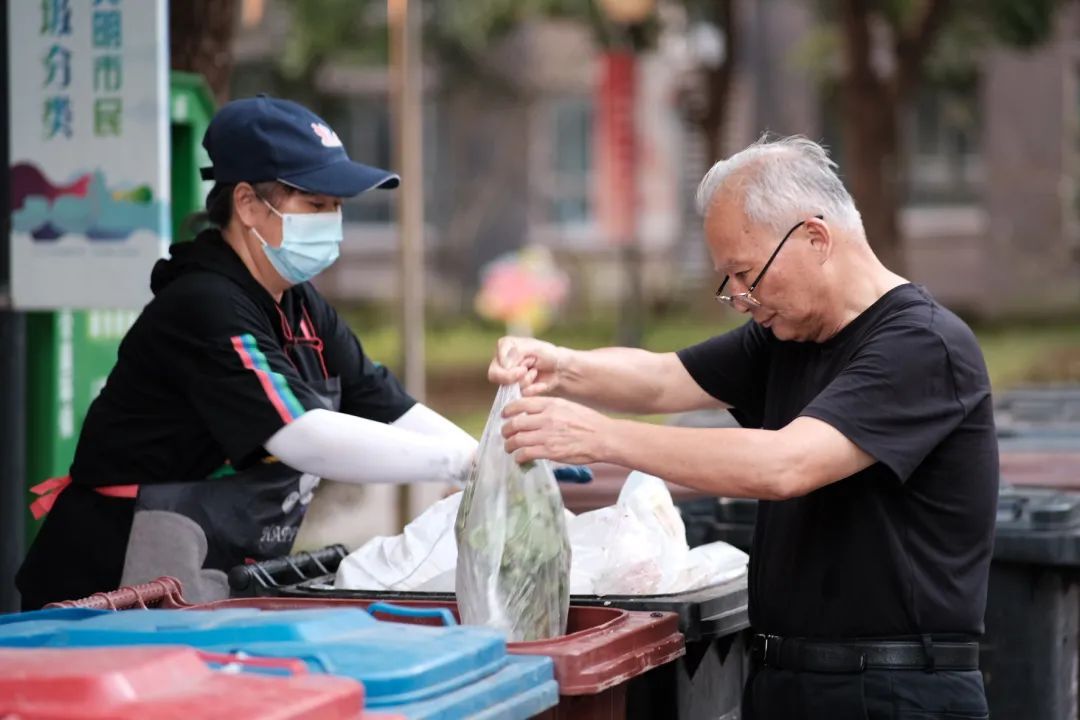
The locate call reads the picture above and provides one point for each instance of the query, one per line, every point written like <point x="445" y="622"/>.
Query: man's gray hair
<point x="783" y="180"/>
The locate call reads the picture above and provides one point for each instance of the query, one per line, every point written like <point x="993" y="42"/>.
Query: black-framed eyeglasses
<point x="746" y="298"/>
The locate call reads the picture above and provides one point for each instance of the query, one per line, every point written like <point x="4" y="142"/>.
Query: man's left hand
<point x="555" y="429"/>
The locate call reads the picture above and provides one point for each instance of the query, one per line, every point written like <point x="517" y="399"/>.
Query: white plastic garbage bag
<point x="421" y="558"/>
<point x="513" y="570"/>
<point x="638" y="547"/>
<point x="614" y="554"/>
<point x="648" y="498"/>
<point x="635" y="547"/>
<point x="711" y="564"/>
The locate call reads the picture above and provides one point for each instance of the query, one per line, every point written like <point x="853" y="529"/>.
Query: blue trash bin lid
<point x="523" y="688"/>
<point x="198" y="628"/>
<point x="397" y="663"/>
<point x="33" y="629"/>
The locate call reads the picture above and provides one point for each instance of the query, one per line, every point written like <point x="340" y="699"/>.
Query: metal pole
<point x="12" y="372"/>
<point x="13" y="494"/>
<point x="407" y="92"/>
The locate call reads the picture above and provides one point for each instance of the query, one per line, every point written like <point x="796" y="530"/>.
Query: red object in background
<point x="1051" y="469"/>
<point x="27" y="180"/>
<point x="165" y="683"/>
<point x="616" y="132"/>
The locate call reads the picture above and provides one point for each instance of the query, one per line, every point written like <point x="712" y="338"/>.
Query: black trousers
<point x="871" y="695"/>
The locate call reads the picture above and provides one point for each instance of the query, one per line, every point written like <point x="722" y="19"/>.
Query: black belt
<point x="853" y="656"/>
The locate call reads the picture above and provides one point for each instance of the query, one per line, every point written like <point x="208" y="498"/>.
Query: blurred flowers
<point x="523" y="289"/>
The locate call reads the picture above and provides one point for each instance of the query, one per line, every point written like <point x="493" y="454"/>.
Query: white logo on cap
<point x="327" y="136"/>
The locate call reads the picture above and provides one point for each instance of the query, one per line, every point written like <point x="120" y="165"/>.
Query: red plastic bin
<point x="165" y="683"/>
<point x="603" y="650"/>
<point x="1059" y="470"/>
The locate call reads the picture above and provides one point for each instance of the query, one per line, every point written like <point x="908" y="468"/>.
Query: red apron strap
<point x="307" y="328"/>
<point x="47" y="493"/>
<point x="119" y="491"/>
<point x="49" y="490"/>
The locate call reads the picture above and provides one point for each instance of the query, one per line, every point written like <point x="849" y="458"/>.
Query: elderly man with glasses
<point x="867" y="433"/>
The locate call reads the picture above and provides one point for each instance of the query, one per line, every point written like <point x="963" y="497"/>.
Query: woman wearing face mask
<point x="238" y="387"/>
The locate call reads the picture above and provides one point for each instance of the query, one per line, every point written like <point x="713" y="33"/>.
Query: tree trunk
<point x="871" y="139"/>
<point x="871" y="145"/>
<point x="200" y="40"/>
<point x="717" y="83"/>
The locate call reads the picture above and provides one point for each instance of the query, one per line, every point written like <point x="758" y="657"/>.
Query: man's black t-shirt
<point x="903" y="547"/>
<point x="212" y="368"/>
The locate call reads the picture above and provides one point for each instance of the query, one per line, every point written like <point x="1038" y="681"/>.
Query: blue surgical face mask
<point x="310" y="243"/>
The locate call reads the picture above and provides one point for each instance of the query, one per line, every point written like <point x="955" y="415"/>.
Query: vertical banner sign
<point x="617" y="146"/>
<point x="89" y="151"/>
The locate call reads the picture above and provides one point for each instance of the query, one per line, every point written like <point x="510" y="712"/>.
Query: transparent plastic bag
<point x="513" y="570"/>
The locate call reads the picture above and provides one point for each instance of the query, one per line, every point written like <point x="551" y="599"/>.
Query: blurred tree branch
<point x="888" y="50"/>
<point x="200" y="40"/>
<point x="717" y="78"/>
<point x="914" y="43"/>
<point x="460" y="36"/>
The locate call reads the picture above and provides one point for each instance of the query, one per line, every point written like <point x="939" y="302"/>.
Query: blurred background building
<point x="987" y="177"/>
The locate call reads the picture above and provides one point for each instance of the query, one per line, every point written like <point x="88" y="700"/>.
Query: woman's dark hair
<point x="219" y="205"/>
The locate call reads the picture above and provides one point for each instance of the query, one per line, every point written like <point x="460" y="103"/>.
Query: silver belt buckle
<point x="768" y="640"/>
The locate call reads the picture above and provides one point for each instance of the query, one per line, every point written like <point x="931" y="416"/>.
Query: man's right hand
<point x="534" y="364"/>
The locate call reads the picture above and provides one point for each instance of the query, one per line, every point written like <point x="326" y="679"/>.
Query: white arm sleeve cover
<point x="422" y="419"/>
<point x="350" y="449"/>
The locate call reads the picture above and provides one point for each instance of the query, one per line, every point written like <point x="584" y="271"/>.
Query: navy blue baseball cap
<point x="263" y="138"/>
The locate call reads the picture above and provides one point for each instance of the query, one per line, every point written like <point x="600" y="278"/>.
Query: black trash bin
<point x="1039" y="436"/>
<point x="1042" y="419"/>
<point x="735" y="518"/>
<point x="1029" y="652"/>
<point x="1039" y="406"/>
<point x="698" y="517"/>
<point x="706" y="683"/>
<point x="1028" y="655"/>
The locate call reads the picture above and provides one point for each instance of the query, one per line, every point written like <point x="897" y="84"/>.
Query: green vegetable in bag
<point x="513" y="570"/>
